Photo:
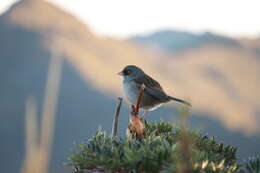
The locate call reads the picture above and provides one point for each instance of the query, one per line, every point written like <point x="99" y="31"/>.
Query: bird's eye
<point x="127" y="72"/>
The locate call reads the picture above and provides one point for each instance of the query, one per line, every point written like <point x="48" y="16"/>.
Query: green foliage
<point x="252" y="165"/>
<point x="211" y="150"/>
<point x="160" y="151"/>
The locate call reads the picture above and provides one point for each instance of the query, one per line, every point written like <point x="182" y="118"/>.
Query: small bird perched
<point x="153" y="96"/>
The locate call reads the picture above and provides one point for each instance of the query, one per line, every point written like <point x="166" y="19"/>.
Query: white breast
<point x="130" y="91"/>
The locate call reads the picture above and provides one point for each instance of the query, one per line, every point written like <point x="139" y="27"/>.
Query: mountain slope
<point x="176" y="41"/>
<point x="191" y="76"/>
<point x="30" y="29"/>
<point x="215" y="73"/>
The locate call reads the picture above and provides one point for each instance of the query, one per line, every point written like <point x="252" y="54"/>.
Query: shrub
<point x="164" y="149"/>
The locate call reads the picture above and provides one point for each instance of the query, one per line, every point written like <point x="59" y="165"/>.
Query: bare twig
<point x="31" y="138"/>
<point x="138" y="101"/>
<point x="115" y="122"/>
<point x="31" y="127"/>
<point x="49" y="108"/>
<point x="50" y="101"/>
<point x="136" y="126"/>
<point x="38" y="152"/>
<point x="186" y="143"/>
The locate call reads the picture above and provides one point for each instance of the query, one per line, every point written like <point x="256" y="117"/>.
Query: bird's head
<point x="131" y="72"/>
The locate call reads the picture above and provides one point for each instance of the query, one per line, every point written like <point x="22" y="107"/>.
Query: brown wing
<point x="149" y="83"/>
<point x="152" y="87"/>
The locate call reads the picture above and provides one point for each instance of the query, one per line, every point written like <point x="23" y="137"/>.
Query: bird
<point x="153" y="96"/>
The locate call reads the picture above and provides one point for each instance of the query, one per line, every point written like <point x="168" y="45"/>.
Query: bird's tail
<point x="179" y="100"/>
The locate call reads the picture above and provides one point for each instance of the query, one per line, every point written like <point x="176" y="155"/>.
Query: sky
<point x="125" y="18"/>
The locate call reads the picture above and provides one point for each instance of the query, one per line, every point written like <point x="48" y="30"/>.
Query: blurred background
<point x="202" y="51"/>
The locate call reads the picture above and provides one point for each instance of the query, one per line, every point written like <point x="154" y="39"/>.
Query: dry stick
<point x="31" y="127"/>
<point x="31" y="138"/>
<point x="185" y="166"/>
<point x="49" y="108"/>
<point x="138" y="102"/>
<point x="135" y="123"/>
<point x="115" y="122"/>
<point x="42" y="152"/>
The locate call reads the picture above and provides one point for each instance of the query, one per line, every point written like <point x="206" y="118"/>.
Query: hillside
<point x="30" y="29"/>
<point x="214" y="64"/>
<point x="177" y="41"/>
<point x="213" y="68"/>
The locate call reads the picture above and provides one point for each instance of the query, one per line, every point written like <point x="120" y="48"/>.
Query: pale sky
<point x="124" y="18"/>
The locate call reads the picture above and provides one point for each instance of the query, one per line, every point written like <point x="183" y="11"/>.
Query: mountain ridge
<point x="30" y="31"/>
<point x="177" y="41"/>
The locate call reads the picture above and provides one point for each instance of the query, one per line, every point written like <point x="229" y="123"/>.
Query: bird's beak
<point x="120" y="73"/>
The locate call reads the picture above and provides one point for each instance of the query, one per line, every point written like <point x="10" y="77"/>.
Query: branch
<point x="136" y="107"/>
<point x="136" y="126"/>
<point x="115" y="122"/>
